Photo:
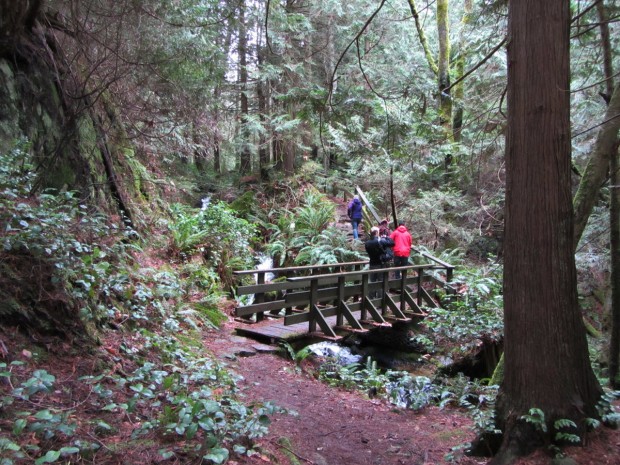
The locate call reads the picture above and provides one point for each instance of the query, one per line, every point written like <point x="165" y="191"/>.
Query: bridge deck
<point x="274" y="330"/>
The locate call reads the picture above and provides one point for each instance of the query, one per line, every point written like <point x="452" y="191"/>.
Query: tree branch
<point x="354" y="40"/>
<point x="478" y="65"/>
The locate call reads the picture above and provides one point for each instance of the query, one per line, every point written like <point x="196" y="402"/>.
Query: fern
<point x="536" y="417"/>
<point x="277" y="250"/>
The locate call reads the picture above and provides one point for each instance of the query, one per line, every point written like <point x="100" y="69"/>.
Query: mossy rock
<point x="245" y="204"/>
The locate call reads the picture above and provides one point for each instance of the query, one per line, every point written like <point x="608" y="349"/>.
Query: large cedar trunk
<point x="614" y="239"/>
<point x="546" y="354"/>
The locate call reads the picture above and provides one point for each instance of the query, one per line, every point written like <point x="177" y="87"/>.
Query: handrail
<point x="359" y="284"/>
<point x="368" y="205"/>
<point x="449" y="268"/>
<point x="301" y="268"/>
<point x="347" y="274"/>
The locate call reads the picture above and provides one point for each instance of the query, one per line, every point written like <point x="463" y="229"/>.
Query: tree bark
<point x="459" y="89"/>
<point x="423" y="40"/>
<point x="546" y="353"/>
<point x="614" y="220"/>
<point x="443" y="76"/>
<point x="16" y="19"/>
<point x="245" y="160"/>
<point x="606" y="45"/>
<point x="263" y="146"/>
<point x="596" y="170"/>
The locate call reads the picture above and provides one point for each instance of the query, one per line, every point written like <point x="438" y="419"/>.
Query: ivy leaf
<point x="49" y="457"/>
<point x="69" y="450"/>
<point x="217" y="455"/>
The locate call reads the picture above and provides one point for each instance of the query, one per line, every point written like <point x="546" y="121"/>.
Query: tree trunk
<point x="459" y="89"/>
<point x="606" y="45"/>
<point x="263" y="146"/>
<point x="596" y="170"/>
<point x="443" y="76"/>
<point x="427" y="50"/>
<point x="16" y="20"/>
<point x="328" y="66"/>
<point x="245" y="160"/>
<point x="546" y="354"/>
<point x="614" y="220"/>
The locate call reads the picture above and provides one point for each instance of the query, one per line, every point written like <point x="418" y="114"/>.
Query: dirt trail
<point x="337" y="427"/>
<point x="342" y="219"/>
<point x="334" y="426"/>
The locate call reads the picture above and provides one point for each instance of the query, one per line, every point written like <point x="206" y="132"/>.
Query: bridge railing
<point x="340" y="290"/>
<point x="260" y="290"/>
<point x="357" y="291"/>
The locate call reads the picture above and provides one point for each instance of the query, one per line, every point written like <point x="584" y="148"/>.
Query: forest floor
<point x="341" y="427"/>
<point x="324" y="425"/>
<point x="330" y="426"/>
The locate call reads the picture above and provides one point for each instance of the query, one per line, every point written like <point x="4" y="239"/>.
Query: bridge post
<point x="403" y="279"/>
<point x="384" y="292"/>
<point x="260" y="296"/>
<point x="340" y="302"/>
<point x="419" y="284"/>
<point x="313" y="299"/>
<point x="363" y="309"/>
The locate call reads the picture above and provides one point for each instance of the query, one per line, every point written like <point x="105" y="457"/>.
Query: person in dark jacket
<point x="355" y="214"/>
<point x="402" y="246"/>
<point x="374" y="249"/>
<point x="384" y="229"/>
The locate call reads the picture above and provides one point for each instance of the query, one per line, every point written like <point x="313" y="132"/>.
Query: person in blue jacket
<point x="355" y="214"/>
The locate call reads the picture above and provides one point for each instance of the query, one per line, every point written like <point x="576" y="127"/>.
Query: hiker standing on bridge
<point x="384" y="229"/>
<point x="375" y="250"/>
<point x="355" y="214"/>
<point x="402" y="246"/>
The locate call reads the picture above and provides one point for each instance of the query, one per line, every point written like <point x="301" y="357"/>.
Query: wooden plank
<point x="341" y="302"/>
<point x="313" y="308"/>
<point x="427" y="298"/>
<point x="393" y="307"/>
<point x="264" y="288"/>
<point x="293" y="269"/>
<point x="282" y="286"/>
<point x="348" y="314"/>
<point x="262" y="307"/>
<point x="357" y="274"/>
<point x="278" y="332"/>
<point x="305" y="316"/>
<point x="412" y="303"/>
<point x="368" y="205"/>
<point x="332" y="293"/>
<point x="320" y="319"/>
<point x="433" y="258"/>
<point x="368" y="305"/>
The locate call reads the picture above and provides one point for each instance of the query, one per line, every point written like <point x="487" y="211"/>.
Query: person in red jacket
<point x="402" y="246"/>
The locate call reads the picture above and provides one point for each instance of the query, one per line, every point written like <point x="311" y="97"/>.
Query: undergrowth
<point x="158" y="386"/>
<point x="186" y="400"/>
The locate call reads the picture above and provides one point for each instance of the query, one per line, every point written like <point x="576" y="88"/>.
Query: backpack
<point x="387" y="245"/>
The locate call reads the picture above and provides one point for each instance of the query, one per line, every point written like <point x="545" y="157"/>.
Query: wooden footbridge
<point x="330" y="300"/>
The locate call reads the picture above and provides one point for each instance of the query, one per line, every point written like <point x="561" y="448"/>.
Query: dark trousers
<point x="400" y="261"/>
<point x="375" y="277"/>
